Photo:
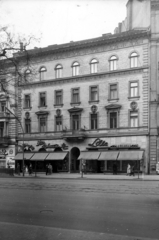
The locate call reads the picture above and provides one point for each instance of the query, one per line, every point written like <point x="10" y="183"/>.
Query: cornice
<point x="88" y="77"/>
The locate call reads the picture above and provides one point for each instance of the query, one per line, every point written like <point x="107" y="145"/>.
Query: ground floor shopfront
<point x="98" y="154"/>
<point x="6" y="157"/>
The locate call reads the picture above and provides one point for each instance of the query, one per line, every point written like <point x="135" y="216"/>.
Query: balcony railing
<point x="74" y="134"/>
<point x="4" y="115"/>
<point x="5" y="140"/>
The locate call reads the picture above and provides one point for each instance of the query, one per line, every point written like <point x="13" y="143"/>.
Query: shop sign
<point x="98" y="143"/>
<point x="125" y="146"/>
<point x="3" y="151"/>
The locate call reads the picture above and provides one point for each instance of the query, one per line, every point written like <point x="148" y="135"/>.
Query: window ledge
<point x="137" y="97"/>
<point x="58" y="105"/>
<point x="42" y="107"/>
<point x="114" y="99"/>
<point x="93" y="101"/>
<point x="27" y="108"/>
<point x="75" y="103"/>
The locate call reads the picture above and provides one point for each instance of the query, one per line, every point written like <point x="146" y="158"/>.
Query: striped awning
<point x="89" y="155"/>
<point x="56" y="156"/>
<point x="109" y="155"/>
<point x="27" y="156"/>
<point x="130" y="155"/>
<point x="39" y="156"/>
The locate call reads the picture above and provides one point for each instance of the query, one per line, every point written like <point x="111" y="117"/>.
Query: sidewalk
<point x="89" y="176"/>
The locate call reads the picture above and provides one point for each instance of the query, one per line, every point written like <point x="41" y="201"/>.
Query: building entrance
<point x="75" y="163"/>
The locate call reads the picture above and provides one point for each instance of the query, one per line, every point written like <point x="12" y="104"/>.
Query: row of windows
<point x="113" y="121"/>
<point x="76" y="67"/>
<point x="75" y="94"/>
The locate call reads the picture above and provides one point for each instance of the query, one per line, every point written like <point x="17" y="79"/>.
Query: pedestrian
<point x="47" y="169"/>
<point x="115" y="169"/>
<point x="26" y="169"/>
<point x="18" y="169"/>
<point x="30" y="169"/>
<point x="128" y="169"/>
<point x="50" y="169"/>
<point x="132" y="171"/>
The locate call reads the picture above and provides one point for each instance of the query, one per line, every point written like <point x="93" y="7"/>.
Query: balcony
<point x="69" y="135"/>
<point x="4" y="115"/>
<point x="5" y="141"/>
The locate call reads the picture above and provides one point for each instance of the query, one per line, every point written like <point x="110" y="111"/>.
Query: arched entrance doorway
<point x="75" y="163"/>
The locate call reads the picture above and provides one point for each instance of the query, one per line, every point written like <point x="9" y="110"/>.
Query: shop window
<point x="27" y="101"/>
<point x="27" y="126"/>
<point x="93" y="65"/>
<point x="113" y="63"/>
<point x="113" y="91"/>
<point x="94" y="121"/>
<point x="75" y="95"/>
<point x="42" y="99"/>
<point x="58" y="71"/>
<point x="58" y="97"/>
<point x="75" y="69"/>
<point x="134" y="119"/>
<point x="27" y="75"/>
<point x="2" y="85"/>
<point x="58" y="123"/>
<point x="42" y="73"/>
<point x="134" y="60"/>
<point x="94" y="93"/>
<point x="134" y="89"/>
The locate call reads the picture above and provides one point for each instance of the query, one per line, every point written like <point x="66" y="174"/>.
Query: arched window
<point x="58" y="71"/>
<point x="113" y="63"/>
<point x="133" y="60"/>
<point x="93" y="64"/>
<point x="42" y="73"/>
<point x="27" y="75"/>
<point x="75" y="69"/>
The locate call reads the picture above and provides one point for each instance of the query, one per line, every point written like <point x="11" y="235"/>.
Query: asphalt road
<point x="78" y="209"/>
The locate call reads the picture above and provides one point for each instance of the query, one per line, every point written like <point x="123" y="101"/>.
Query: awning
<point x="56" y="156"/>
<point x="39" y="156"/>
<point x="109" y="155"/>
<point x="130" y="155"/>
<point x="89" y="155"/>
<point x="27" y="156"/>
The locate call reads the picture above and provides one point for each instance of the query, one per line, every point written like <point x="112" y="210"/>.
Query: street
<point x="78" y="209"/>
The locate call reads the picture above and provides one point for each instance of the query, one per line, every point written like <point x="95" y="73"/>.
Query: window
<point x="134" y="89"/>
<point x="27" y="75"/>
<point x="113" y="91"/>
<point x="133" y="119"/>
<point x="94" y="93"/>
<point x="113" y="63"/>
<point x="27" y="126"/>
<point x="58" y="71"/>
<point x="2" y="106"/>
<point x="43" y="99"/>
<point x="75" y="69"/>
<point x="42" y="73"/>
<point x="113" y="119"/>
<point x="58" y="123"/>
<point x="94" y="121"/>
<point x="1" y="129"/>
<point x="75" y="122"/>
<point x="94" y="66"/>
<point x="133" y="60"/>
<point x="42" y="123"/>
<point x="75" y="95"/>
<point x="58" y="97"/>
<point x="2" y="85"/>
<point x="27" y="102"/>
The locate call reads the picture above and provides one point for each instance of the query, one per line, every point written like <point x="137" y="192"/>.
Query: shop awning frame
<point x="109" y="156"/>
<point x="56" y="156"/>
<point x="40" y="156"/>
<point x="130" y="155"/>
<point x="27" y="156"/>
<point x="89" y="155"/>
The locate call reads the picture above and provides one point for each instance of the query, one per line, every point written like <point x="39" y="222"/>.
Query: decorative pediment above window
<point x="42" y="113"/>
<point x="113" y="106"/>
<point x="75" y="109"/>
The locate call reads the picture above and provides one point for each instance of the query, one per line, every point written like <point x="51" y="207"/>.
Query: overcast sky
<point x="61" y="21"/>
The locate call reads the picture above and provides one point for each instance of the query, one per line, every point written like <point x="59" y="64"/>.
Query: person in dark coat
<point x="47" y="169"/>
<point x="115" y="168"/>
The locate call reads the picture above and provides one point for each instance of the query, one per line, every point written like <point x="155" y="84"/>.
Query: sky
<point x="61" y="21"/>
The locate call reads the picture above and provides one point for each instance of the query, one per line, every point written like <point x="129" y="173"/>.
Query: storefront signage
<point x="46" y="146"/>
<point x="125" y="146"/>
<point x="3" y="151"/>
<point x="98" y="143"/>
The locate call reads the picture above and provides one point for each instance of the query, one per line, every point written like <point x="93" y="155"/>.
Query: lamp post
<point x="22" y="132"/>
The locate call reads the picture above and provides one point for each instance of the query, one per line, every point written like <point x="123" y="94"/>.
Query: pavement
<point x="89" y="176"/>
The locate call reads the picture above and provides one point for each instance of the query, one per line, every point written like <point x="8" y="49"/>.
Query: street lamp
<point x="22" y="132"/>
